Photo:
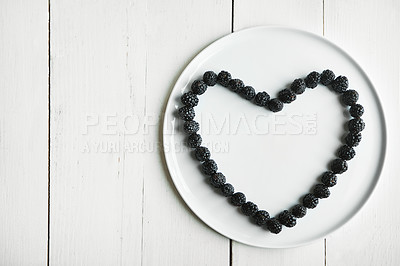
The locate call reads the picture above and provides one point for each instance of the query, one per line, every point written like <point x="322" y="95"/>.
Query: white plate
<point x="274" y="158"/>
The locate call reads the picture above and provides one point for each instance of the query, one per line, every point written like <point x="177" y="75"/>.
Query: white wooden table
<point x="79" y="78"/>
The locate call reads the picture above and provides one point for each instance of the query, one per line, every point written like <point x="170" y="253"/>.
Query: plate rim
<point x="279" y="27"/>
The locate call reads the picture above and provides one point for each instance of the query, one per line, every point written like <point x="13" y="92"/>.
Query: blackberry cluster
<point x="356" y="125"/>
<point x="238" y="199"/>
<point x="224" y="78"/>
<point x="199" y="87"/>
<point x="217" y="180"/>
<point x="194" y="140"/>
<point x="261" y="217"/>
<point x="298" y="86"/>
<point x="274" y="226"/>
<point x="327" y="76"/>
<point x="353" y="139"/>
<point x="248" y="92"/>
<point x="350" y="97"/>
<point x="321" y="191"/>
<point x="299" y="211"/>
<point x="356" y="110"/>
<point x="340" y="84"/>
<point x="186" y="113"/>
<point x="286" y="96"/>
<point x="346" y="153"/>
<point x="202" y="154"/>
<point x="312" y="79"/>
<point x="329" y="179"/>
<point x="261" y="99"/>
<point x="190" y="99"/>
<point x="209" y="167"/>
<point x="275" y="105"/>
<point x="227" y="190"/>
<point x="287" y="219"/>
<point x="236" y="85"/>
<point x="210" y="78"/>
<point x="249" y="208"/>
<point x="338" y="166"/>
<point x="191" y="127"/>
<point x="310" y="201"/>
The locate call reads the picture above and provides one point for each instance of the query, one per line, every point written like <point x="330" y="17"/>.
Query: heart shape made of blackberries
<point x="346" y="152"/>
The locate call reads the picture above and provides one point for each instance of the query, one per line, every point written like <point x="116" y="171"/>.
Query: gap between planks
<point x="48" y="132"/>
<point x="232" y="30"/>
<point x="323" y="34"/>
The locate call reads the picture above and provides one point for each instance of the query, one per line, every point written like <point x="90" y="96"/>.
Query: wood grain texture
<point x="97" y="95"/>
<point x="308" y="255"/>
<point x="113" y="65"/>
<point x="368" y="30"/>
<point x="23" y="132"/>
<point x="307" y="15"/>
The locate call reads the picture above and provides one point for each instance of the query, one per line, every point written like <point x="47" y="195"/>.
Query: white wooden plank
<point x="97" y="94"/>
<point x="121" y="59"/>
<point x="307" y="15"/>
<point x="176" y="31"/>
<point x="308" y="255"/>
<point x="368" y="30"/>
<point x="23" y="132"/>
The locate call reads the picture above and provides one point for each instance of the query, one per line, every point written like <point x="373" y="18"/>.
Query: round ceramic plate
<point x="274" y="158"/>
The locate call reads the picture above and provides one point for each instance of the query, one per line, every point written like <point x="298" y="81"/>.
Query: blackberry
<point x="349" y="97"/>
<point x="261" y="217"/>
<point x="227" y="190"/>
<point x="199" y="87"/>
<point x="299" y="211"/>
<point x="209" y="167"/>
<point x="310" y="201"/>
<point x="339" y="166"/>
<point x="248" y="92"/>
<point x="298" y="86"/>
<point x="191" y="127"/>
<point x="321" y="191"/>
<point x="274" y="226"/>
<point x="340" y="84"/>
<point x="210" y="78"/>
<point x="186" y="113"/>
<point x="329" y="179"/>
<point x="236" y="85"/>
<point x="223" y="78"/>
<point x="327" y="76"/>
<point x="194" y="140"/>
<point x="312" y="79"/>
<point x="249" y="208"/>
<point x="275" y="105"/>
<point x="202" y="153"/>
<point x="346" y="153"/>
<point x="190" y="99"/>
<point x="353" y="139"/>
<point x="217" y="180"/>
<point x="356" y="125"/>
<point x="356" y="110"/>
<point x="286" y="96"/>
<point x="287" y="219"/>
<point x="261" y="99"/>
<point x="238" y="199"/>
